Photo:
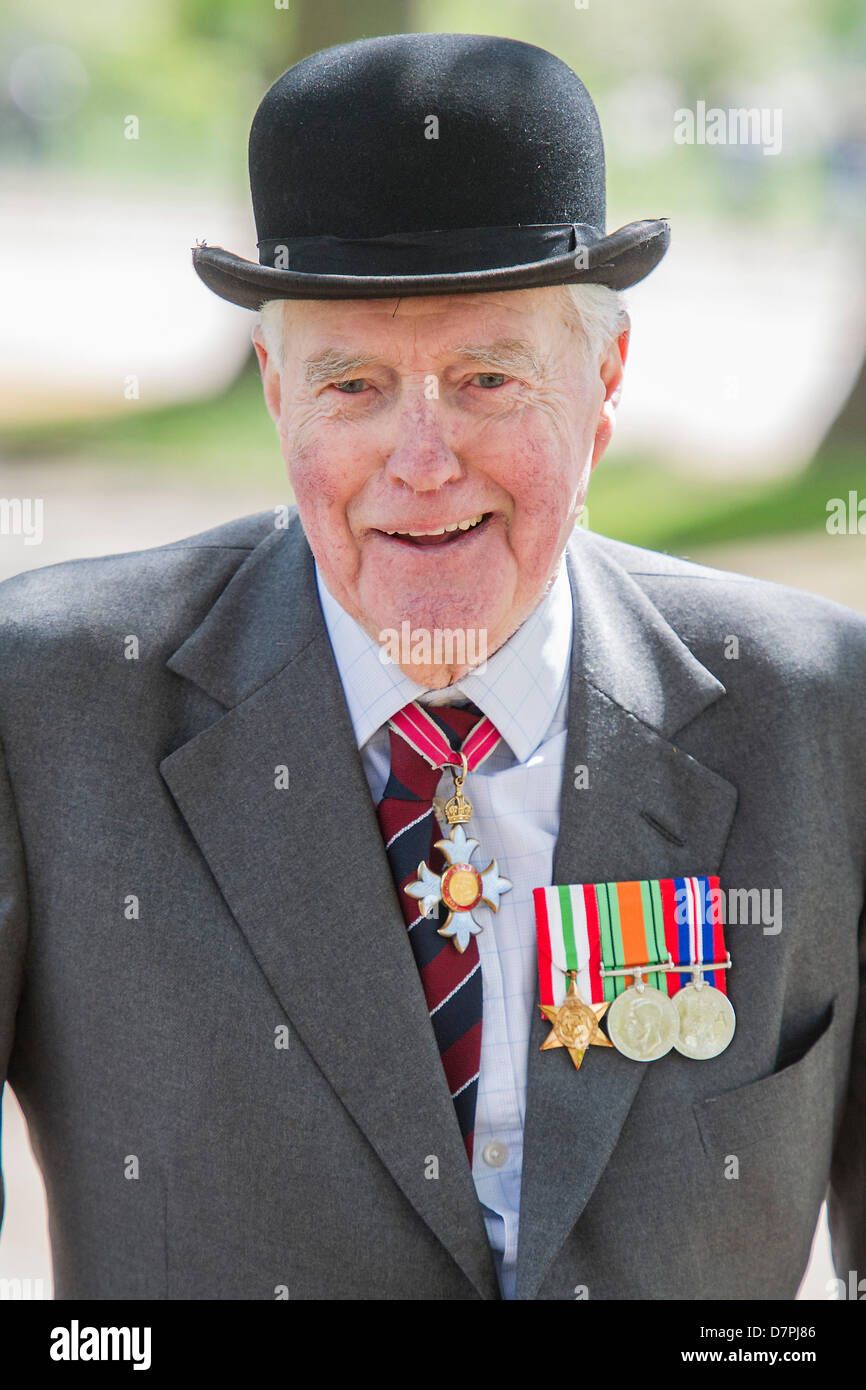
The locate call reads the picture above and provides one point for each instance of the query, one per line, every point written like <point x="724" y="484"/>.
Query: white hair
<point x="270" y="321"/>
<point x="597" y="314"/>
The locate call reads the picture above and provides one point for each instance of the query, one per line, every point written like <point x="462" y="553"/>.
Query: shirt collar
<point x="519" y="690"/>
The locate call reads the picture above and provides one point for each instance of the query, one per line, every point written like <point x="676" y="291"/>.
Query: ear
<point x="611" y="374"/>
<point x="271" y="383"/>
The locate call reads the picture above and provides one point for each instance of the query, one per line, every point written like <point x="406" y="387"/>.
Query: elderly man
<point x="415" y="894"/>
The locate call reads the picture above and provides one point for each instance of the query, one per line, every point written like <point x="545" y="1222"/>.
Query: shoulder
<point x="775" y="625"/>
<point x="85" y="586"/>
<point x="161" y="592"/>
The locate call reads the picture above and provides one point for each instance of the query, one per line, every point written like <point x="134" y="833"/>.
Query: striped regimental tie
<point x="451" y="980"/>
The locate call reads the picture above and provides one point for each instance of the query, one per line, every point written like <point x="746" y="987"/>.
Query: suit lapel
<point x="649" y="811"/>
<point x="305" y="874"/>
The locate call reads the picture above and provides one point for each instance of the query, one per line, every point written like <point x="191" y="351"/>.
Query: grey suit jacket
<point x="209" y="1008"/>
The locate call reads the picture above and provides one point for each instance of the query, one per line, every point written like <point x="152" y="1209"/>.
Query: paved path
<point x="100" y="511"/>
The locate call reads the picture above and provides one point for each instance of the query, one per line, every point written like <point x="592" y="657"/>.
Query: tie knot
<point x="417" y="752"/>
<point x="455" y="722"/>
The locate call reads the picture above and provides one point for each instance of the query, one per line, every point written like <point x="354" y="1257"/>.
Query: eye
<point x="488" y="381"/>
<point x="353" y="387"/>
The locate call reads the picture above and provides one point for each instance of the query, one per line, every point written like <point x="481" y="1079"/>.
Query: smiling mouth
<point x="453" y="534"/>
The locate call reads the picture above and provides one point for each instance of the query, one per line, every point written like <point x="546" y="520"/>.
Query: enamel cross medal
<point x="461" y="887"/>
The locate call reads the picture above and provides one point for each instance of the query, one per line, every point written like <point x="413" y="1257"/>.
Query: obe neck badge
<point x="461" y="886"/>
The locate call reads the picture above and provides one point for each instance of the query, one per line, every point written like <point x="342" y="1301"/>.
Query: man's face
<point x="410" y="415"/>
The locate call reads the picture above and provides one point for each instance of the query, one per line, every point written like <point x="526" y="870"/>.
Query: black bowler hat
<point x="428" y="164"/>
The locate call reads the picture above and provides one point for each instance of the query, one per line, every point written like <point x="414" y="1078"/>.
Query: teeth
<point x="455" y="526"/>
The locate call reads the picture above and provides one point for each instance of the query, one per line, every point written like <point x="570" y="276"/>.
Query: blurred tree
<point x="321" y="23"/>
<point x="849" y="428"/>
<point x="297" y="27"/>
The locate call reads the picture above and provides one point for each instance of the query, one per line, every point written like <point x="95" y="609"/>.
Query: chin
<point x="439" y="612"/>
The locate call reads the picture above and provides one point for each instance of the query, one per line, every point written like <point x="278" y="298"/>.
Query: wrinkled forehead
<point x="522" y="324"/>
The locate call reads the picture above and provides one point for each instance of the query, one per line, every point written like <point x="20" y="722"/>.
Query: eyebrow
<point x="510" y="355"/>
<point x="330" y="363"/>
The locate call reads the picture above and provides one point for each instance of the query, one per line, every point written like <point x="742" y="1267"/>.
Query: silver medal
<point x="706" y="1017"/>
<point x="642" y="1022"/>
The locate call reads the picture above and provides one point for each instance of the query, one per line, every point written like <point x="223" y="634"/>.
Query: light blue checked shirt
<point x="515" y="799"/>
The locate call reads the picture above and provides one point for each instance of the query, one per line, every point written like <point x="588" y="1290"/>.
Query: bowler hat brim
<point x="618" y="261"/>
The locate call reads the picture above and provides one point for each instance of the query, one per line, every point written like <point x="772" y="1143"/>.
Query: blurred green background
<point x="193" y="71"/>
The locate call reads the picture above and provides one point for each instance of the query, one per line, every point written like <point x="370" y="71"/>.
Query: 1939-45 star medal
<point x="575" y="1024"/>
<point x="461" y="887"/>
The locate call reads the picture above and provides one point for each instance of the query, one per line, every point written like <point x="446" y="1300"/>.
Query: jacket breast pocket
<point x="798" y="1096"/>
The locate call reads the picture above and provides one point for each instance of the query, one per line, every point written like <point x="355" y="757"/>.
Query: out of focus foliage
<point x="193" y="71"/>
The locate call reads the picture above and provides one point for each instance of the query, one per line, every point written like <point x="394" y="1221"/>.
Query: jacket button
<point x="495" y="1155"/>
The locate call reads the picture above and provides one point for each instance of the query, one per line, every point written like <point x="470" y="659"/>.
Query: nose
<point x="421" y="457"/>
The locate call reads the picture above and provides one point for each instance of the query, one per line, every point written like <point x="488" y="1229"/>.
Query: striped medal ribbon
<point x="422" y="733"/>
<point x="631" y="949"/>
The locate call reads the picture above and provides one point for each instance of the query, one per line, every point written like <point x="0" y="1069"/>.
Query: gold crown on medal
<point x="458" y="810"/>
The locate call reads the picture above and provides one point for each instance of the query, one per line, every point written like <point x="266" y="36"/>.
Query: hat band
<point x="427" y="253"/>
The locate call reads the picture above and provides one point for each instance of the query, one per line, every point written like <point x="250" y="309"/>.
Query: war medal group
<point x="607" y="933"/>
